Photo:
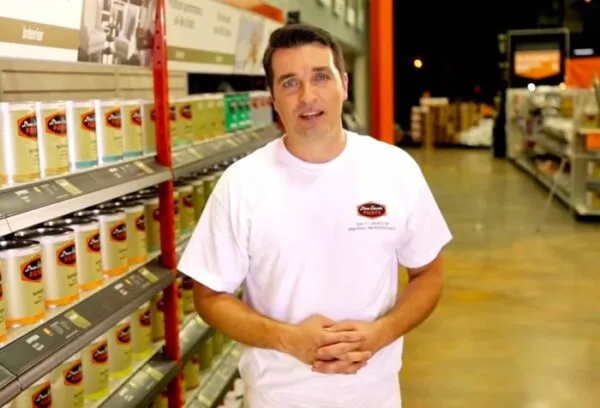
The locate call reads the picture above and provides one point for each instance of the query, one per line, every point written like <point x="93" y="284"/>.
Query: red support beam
<point x="165" y="194"/>
<point x="381" y="49"/>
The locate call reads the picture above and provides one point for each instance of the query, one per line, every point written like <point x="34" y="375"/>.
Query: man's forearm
<point x="232" y="317"/>
<point x="412" y="307"/>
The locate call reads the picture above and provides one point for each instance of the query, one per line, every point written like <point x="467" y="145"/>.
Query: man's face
<point x="308" y="90"/>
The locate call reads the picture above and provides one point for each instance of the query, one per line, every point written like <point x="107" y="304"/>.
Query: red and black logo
<point x="140" y="223"/>
<point x="186" y="111"/>
<point x="124" y="334"/>
<point x="74" y="374"/>
<point x="172" y="113"/>
<point x="31" y="271"/>
<point x="66" y="255"/>
<point x="100" y="353"/>
<point x="119" y="232"/>
<point x="88" y="120"/>
<point x="153" y="115"/>
<point x="113" y="118"/>
<point x="42" y="398"/>
<point x="146" y="319"/>
<point x="188" y="283"/>
<point x="176" y="206"/>
<point x="27" y="126"/>
<point x="93" y="242"/>
<point x="56" y="124"/>
<point x="136" y="117"/>
<point x="188" y="200"/>
<point x="156" y="214"/>
<point x="371" y="210"/>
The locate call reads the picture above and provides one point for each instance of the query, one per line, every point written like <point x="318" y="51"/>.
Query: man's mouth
<point x="311" y="115"/>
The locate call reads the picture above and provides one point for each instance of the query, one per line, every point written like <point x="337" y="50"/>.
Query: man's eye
<point x="290" y="83"/>
<point x="322" y="76"/>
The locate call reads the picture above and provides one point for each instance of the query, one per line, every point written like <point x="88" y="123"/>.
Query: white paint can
<point x="119" y="349"/>
<point x="67" y="383"/>
<point x="113" y="239"/>
<point x="131" y="126"/>
<point x="108" y="131"/>
<point x="52" y="138"/>
<point x="81" y="135"/>
<point x="141" y="331"/>
<point x="19" y="155"/>
<point x="87" y="245"/>
<point x="59" y="262"/>
<point x="21" y="265"/>
<point x="157" y="315"/>
<point x="137" y="251"/>
<point x="38" y="395"/>
<point x="96" y="377"/>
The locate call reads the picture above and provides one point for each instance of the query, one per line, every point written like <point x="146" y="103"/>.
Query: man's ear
<point x="345" y="85"/>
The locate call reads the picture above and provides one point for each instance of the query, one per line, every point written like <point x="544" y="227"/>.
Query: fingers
<point x="342" y="337"/>
<point x="343" y="327"/>
<point x="356" y="356"/>
<point x="334" y="351"/>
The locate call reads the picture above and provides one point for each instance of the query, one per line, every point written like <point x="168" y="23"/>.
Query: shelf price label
<point x="143" y="167"/>
<point x="150" y="277"/>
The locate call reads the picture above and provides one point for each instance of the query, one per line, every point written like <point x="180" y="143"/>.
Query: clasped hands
<point x="335" y="347"/>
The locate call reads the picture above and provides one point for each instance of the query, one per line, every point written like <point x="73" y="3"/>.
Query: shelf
<point x="34" y="351"/>
<point x="144" y="385"/>
<point x="194" y="333"/>
<point x="562" y="191"/>
<point x="28" y="204"/>
<point x="117" y="384"/>
<point x="593" y="185"/>
<point x="216" y="381"/>
<point x="551" y="145"/>
<point x="209" y="153"/>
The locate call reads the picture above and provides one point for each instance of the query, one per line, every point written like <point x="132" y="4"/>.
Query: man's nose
<point x="307" y="93"/>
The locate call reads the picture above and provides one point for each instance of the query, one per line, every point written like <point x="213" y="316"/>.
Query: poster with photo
<point x="117" y="32"/>
<point x="248" y="46"/>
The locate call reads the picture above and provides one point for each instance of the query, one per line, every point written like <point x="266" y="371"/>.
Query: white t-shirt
<point x="310" y="239"/>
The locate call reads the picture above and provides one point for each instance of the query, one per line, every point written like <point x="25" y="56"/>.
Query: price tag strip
<point x="210" y="153"/>
<point x="144" y="385"/>
<point x="34" y="354"/>
<point x="217" y="380"/>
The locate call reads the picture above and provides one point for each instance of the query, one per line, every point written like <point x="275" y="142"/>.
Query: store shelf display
<point x="552" y="134"/>
<point x="94" y="229"/>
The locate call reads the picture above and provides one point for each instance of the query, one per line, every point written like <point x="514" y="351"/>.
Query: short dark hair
<point x="295" y="35"/>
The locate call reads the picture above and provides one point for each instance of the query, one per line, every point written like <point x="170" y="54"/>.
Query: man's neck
<point x="316" y="149"/>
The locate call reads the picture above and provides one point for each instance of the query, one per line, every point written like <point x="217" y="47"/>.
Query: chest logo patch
<point x="371" y="210"/>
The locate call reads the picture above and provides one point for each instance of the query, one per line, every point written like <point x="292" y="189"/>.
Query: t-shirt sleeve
<point x="426" y="231"/>
<point x="216" y="255"/>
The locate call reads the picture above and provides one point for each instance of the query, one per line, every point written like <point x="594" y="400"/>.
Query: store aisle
<point x="518" y="325"/>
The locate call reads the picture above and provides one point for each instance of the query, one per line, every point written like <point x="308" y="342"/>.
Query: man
<point x="315" y="224"/>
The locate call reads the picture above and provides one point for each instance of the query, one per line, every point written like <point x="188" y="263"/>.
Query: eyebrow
<point x="284" y="77"/>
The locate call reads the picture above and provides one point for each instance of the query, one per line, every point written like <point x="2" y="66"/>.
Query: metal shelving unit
<point x="548" y="132"/>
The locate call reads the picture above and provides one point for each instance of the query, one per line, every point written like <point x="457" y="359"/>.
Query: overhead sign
<point x="537" y="64"/>
<point x="232" y="39"/>
<point x="33" y="29"/>
<point x="202" y="36"/>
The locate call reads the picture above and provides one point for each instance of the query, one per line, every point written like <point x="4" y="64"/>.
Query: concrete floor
<point x="519" y="322"/>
